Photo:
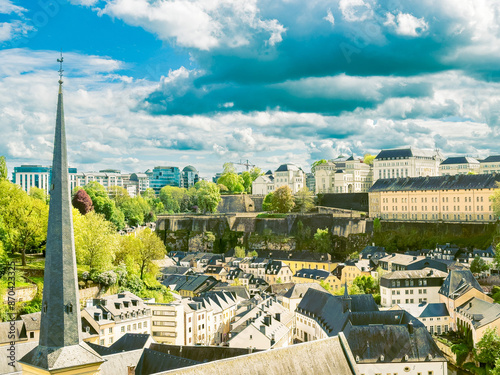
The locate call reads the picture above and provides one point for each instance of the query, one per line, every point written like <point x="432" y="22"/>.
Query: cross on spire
<point x="60" y="61"/>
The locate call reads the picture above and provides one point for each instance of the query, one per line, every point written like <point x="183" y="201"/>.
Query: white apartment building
<point x="459" y="165"/>
<point x="167" y="322"/>
<point x="407" y="162"/>
<point x="490" y="165"/>
<point x="324" y="176"/>
<point x="28" y="176"/>
<point x="411" y="287"/>
<point x="286" y="175"/>
<point x="356" y="177"/>
<point x="115" y="315"/>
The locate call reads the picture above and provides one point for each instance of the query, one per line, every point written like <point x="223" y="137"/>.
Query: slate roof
<point x="460" y="160"/>
<point x="401" y="259"/>
<point x="458" y="283"/>
<point x="32" y="321"/>
<point x="326" y="357"/>
<point x="425" y="310"/>
<point x="19" y="329"/>
<point x="175" y="270"/>
<point x="313" y="274"/>
<point x="240" y="291"/>
<point x="370" y="250"/>
<point x="490" y="252"/>
<point x="21" y="350"/>
<point x="280" y="289"/>
<point x="299" y="290"/>
<point x="119" y="363"/>
<point x="480" y="312"/>
<point x="491" y="159"/>
<point x="195" y="283"/>
<point x="294" y="255"/>
<point x="327" y="309"/>
<point x="415" y="274"/>
<point x="387" y="336"/>
<point x="405" y="153"/>
<point x="287" y="167"/>
<point x="153" y="362"/>
<point x="457" y="182"/>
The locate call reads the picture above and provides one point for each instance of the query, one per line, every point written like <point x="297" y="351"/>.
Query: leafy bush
<point x="107" y="278"/>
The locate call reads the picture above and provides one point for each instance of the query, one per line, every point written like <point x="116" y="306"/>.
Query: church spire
<point x="60" y="326"/>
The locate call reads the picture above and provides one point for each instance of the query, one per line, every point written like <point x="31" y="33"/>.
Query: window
<point x="145" y="324"/>
<point x="101" y="342"/>
<point x="110" y="330"/>
<point x="122" y="329"/>
<point x="128" y="328"/>
<point x="32" y="335"/>
<point x="102" y="332"/>
<point x="110" y="340"/>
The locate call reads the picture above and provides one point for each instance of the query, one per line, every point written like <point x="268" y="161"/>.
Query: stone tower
<point x="60" y="348"/>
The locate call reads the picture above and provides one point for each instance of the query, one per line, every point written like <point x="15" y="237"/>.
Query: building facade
<point x="407" y="162"/>
<point x="189" y="177"/>
<point x="411" y="287"/>
<point x="459" y="198"/>
<point x="459" y="165"/>
<point x="164" y="176"/>
<point x="28" y="176"/>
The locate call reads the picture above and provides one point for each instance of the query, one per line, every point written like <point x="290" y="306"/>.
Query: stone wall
<point x="23" y="294"/>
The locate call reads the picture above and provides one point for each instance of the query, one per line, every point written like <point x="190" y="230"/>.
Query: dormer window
<point x="45" y="307"/>
<point x="109" y="316"/>
<point x="69" y="308"/>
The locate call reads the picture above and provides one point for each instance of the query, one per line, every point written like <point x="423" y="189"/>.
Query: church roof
<point x="458" y="283"/>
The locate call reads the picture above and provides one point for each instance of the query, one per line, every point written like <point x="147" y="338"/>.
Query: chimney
<point x="131" y="370"/>
<point x="410" y="327"/>
<point x="278" y="317"/>
<point x="267" y="320"/>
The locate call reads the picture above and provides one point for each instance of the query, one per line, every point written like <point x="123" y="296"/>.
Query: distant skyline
<point x="199" y="82"/>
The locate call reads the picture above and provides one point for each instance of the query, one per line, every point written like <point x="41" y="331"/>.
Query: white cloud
<point x="200" y="24"/>
<point x="7" y="7"/>
<point x="13" y="29"/>
<point x="329" y="17"/>
<point x="406" y="24"/>
<point x="86" y="3"/>
<point x="355" y="10"/>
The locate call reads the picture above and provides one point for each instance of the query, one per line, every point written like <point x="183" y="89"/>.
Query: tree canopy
<point x="304" y="200"/>
<point x="4" y="173"/>
<point x="82" y="202"/>
<point x="231" y="180"/>
<point x="282" y="199"/>
<point x="208" y="196"/>
<point x="487" y="349"/>
<point x="316" y="163"/>
<point x="368" y="159"/>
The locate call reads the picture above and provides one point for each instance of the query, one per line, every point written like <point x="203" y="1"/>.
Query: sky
<point x="204" y="82"/>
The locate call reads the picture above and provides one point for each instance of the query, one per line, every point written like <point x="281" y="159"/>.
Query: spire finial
<point x="60" y="61"/>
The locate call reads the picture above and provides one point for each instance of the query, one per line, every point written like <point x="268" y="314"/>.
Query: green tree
<point x="303" y="236"/>
<point x="267" y="202"/>
<point x="172" y="198"/>
<point x="118" y="194"/>
<point x="353" y="289"/>
<point x="282" y="200"/>
<point x="239" y="252"/>
<point x="478" y="265"/>
<point x="95" y="241"/>
<point x="4" y="173"/>
<point x="304" y="200"/>
<point x="377" y="226"/>
<point x="487" y="349"/>
<point x="231" y="179"/>
<point x="23" y="220"/>
<point x="249" y="177"/>
<point x="38" y="193"/>
<point x="368" y="159"/>
<point x="208" y="196"/>
<point x="325" y="285"/>
<point x="366" y="283"/>
<point x="104" y="205"/>
<point x="144" y="249"/>
<point x="316" y="163"/>
<point x="252" y="253"/>
<point x="495" y="200"/>
<point x="149" y="193"/>
<point x="136" y="210"/>
<point x="322" y="241"/>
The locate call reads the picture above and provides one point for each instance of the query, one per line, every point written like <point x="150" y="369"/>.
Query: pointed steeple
<point x="60" y="326"/>
<point x="346" y="300"/>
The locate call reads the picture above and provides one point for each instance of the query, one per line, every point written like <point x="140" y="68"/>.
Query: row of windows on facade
<point x="134" y="314"/>
<point x="436" y="216"/>
<point x="433" y="200"/>
<point x="407" y="300"/>
<point x="435" y="208"/>
<point x="409" y="291"/>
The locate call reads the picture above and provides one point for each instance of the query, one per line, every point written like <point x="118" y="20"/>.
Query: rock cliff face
<point x="183" y="232"/>
<point x="240" y="203"/>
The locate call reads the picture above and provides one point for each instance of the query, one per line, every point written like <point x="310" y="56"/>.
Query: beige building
<point x="324" y="177"/>
<point x="286" y="175"/>
<point x="434" y="316"/>
<point x="458" y="288"/>
<point x="305" y="276"/>
<point x="478" y="315"/>
<point x="447" y="198"/>
<point x="356" y="177"/>
<point x="407" y="162"/>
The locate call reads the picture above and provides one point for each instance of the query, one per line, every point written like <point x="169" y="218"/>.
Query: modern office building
<point x="190" y="176"/>
<point x="28" y="176"/>
<point x="164" y="176"/>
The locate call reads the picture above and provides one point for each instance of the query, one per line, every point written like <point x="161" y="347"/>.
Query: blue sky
<point x="202" y="82"/>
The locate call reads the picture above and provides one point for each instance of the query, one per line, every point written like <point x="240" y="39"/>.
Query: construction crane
<point x="247" y="164"/>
